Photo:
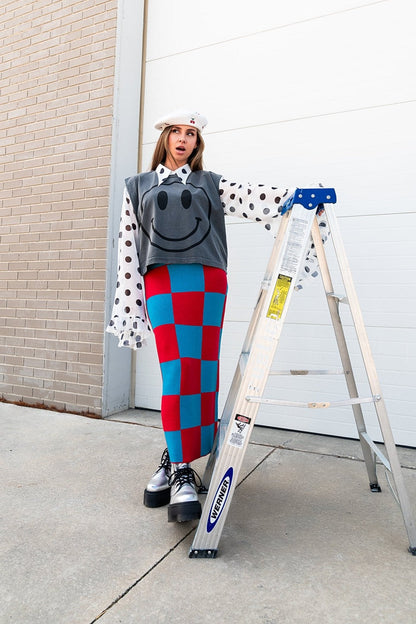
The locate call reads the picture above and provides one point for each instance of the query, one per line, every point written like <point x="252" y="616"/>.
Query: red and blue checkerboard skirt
<point x="185" y="304"/>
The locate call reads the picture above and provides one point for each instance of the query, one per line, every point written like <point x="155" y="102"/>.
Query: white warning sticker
<point x="239" y="430"/>
<point x="295" y="244"/>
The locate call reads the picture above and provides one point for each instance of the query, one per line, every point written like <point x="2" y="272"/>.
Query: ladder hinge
<point x="341" y="298"/>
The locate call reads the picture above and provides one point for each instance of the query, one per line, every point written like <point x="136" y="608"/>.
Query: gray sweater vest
<point x="179" y="223"/>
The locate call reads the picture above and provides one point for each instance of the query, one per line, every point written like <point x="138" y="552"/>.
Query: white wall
<point x="298" y="93"/>
<point x="126" y="104"/>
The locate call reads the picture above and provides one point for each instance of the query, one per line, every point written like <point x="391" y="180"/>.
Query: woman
<point x="172" y="276"/>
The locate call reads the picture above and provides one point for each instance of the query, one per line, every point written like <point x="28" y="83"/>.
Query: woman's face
<point x="182" y="141"/>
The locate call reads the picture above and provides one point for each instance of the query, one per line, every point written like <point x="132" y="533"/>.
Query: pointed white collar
<point x="163" y="173"/>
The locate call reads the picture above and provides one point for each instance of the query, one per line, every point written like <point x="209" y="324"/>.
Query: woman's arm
<point x="129" y="320"/>
<point x="257" y="202"/>
<point x="262" y="203"/>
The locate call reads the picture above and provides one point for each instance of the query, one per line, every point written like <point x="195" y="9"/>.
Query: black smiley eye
<point x="162" y="200"/>
<point x="186" y="198"/>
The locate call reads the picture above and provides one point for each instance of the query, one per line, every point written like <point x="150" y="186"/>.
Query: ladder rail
<point x="261" y="343"/>
<point x="333" y="307"/>
<point x="373" y="380"/>
<point x="245" y="351"/>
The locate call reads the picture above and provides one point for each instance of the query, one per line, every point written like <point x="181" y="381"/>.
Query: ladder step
<point x="335" y="371"/>
<point x="313" y="404"/>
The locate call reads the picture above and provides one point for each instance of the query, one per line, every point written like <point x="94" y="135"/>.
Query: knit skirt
<point x="185" y="305"/>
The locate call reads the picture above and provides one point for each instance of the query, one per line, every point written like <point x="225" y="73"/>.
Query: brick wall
<point x="56" y="93"/>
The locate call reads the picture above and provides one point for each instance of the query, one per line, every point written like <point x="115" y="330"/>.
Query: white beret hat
<point x="182" y="118"/>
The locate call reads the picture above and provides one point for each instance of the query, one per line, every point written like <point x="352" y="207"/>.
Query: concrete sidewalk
<point x="305" y="540"/>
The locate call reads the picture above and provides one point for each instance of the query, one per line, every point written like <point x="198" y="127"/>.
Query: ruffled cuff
<point x="131" y="331"/>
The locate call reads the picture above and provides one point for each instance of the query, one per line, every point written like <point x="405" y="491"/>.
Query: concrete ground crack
<point x="143" y="576"/>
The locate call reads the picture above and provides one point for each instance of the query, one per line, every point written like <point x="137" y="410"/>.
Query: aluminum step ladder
<point x="298" y="223"/>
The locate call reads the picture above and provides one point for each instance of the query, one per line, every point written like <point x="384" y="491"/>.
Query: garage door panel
<point x="225" y="20"/>
<point x="346" y="151"/>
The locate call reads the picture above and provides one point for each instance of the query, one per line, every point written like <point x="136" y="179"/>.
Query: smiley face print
<point x="175" y="217"/>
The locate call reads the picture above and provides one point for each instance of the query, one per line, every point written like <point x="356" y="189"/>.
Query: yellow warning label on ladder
<point x="279" y="297"/>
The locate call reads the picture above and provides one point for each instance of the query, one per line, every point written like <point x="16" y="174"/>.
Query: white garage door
<point x="289" y="101"/>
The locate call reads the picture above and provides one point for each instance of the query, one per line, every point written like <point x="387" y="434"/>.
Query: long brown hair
<point x="162" y="150"/>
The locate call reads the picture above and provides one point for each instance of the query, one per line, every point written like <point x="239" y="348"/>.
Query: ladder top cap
<point x="310" y="198"/>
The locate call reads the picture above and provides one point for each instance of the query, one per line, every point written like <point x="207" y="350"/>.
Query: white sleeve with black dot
<point x="129" y="321"/>
<point x="257" y="202"/>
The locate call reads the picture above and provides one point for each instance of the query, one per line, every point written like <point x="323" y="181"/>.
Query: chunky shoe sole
<point x="156" y="499"/>
<point x="183" y="512"/>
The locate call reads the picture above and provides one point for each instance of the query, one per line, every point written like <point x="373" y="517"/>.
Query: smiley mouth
<point x="167" y="238"/>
